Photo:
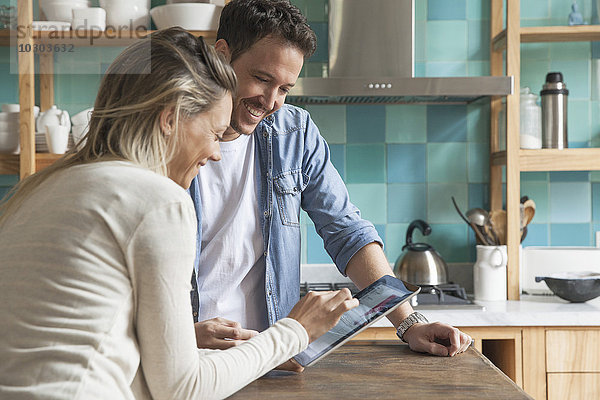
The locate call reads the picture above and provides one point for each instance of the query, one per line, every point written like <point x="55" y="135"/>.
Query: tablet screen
<point x="376" y="300"/>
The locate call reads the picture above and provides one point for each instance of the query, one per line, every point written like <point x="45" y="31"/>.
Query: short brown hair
<point x="245" y="22"/>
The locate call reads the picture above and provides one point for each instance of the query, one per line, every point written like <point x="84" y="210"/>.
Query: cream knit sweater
<point x="94" y="295"/>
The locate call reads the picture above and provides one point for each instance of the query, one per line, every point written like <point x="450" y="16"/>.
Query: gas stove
<point x="431" y="297"/>
<point x="447" y="295"/>
<point x="322" y="286"/>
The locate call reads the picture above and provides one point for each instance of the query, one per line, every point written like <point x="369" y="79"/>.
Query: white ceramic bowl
<point x="78" y="132"/>
<point x="187" y="1"/>
<point x="9" y="117"/>
<point x="16" y="108"/>
<point x="61" y="10"/>
<point x="190" y="16"/>
<point x="92" y="18"/>
<point x="11" y="108"/>
<point x="9" y="141"/>
<point x="9" y="126"/>
<point x="126" y="14"/>
<point x="82" y="117"/>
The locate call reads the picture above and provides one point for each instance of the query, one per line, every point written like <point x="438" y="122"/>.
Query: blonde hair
<point x="170" y="70"/>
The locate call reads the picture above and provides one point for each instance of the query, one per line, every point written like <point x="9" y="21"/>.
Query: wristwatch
<point x="414" y="318"/>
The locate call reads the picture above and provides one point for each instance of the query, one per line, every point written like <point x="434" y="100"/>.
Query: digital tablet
<point x="376" y="301"/>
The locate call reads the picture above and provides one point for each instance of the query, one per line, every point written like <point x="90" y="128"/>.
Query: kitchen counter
<point x="388" y="371"/>
<point x="529" y="311"/>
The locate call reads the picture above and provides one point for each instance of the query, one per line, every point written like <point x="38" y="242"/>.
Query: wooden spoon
<point x="528" y="211"/>
<point x="498" y="221"/>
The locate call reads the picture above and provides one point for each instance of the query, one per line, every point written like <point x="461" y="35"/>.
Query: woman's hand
<point x="221" y="333"/>
<point x="318" y="312"/>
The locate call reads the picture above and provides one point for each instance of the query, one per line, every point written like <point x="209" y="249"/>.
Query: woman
<point x="97" y="250"/>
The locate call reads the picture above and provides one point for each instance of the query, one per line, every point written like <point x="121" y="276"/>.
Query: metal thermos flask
<point x="554" y="112"/>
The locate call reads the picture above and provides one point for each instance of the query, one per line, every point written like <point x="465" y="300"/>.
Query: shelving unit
<point x="508" y="39"/>
<point x="28" y="161"/>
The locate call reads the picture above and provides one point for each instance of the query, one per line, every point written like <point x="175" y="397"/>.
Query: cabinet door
<point x="574" y="386"/>
<point x="573" y="350"/>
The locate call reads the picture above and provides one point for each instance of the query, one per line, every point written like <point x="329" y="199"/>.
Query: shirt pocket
<point x="288" y="187"/>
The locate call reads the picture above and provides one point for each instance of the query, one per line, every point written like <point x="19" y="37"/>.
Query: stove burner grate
<point x="305" y="287"/>
<point x="448" y="293"/>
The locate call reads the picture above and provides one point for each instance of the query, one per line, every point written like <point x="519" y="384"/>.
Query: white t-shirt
<point x="231" y="272"/>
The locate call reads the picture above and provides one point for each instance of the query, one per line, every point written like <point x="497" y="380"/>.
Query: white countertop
<point x="529" y="311"/>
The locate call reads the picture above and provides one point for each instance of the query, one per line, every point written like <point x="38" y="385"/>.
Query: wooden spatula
<point x="498" y="221"/>
<point x="529" y="211"/>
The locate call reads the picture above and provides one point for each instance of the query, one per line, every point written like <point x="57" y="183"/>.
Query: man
<point x="275" y="162"/>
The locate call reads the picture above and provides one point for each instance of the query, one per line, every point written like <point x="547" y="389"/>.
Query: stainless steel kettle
<point x="419" y="263"/>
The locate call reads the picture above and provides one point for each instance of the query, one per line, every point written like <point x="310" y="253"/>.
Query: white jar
<point x="489" y="273"/>
<point x="530" y="121"/>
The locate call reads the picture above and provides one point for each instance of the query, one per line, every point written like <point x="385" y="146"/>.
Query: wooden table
<point x="388" y="371"/>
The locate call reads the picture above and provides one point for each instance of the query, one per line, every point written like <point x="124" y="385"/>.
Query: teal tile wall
<point x="432" y="152"/>
<point x="403" y="162"/>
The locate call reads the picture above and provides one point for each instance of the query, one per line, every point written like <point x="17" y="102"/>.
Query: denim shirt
<point x="294" y="171"/>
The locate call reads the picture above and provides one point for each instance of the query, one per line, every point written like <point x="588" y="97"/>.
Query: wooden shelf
<point x="538" y="34"/>
<point x="42" y="160"/>
<point x="90" y="38"/>
<point x="9" y="163"/>
<point x="554" y="160"/>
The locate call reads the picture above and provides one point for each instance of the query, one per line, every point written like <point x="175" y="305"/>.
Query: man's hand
<point x="437" y="339"/>
<point x="221" y="333"/>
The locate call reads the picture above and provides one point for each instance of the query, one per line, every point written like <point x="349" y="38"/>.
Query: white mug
<point x="57" y="138"/>
<point x="489" y="273"/>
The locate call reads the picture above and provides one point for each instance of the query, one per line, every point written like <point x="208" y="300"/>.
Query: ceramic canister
<point x="489" y="273"/>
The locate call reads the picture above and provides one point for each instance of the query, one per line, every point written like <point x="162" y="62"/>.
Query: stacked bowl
<point x="80" y="126"/>
<point x="190" y="16"/>
<point x="9" y="128"/>
<point x="61" y="10"/>
<point x="9" y="132"/>
<point x="124" y="15"/>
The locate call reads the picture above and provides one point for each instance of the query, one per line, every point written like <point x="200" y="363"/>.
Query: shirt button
<point x="265" y="134"/>
<point x="266" y="214"/>
<point x="295" y="189"/>
<point x="195" y="314"/>
<point x="265" y="253"/>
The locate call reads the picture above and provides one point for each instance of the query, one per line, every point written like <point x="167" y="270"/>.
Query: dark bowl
<point x="573" y="290"/>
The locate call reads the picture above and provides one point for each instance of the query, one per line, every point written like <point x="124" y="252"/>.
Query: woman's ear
<point x="167" y="121"/>
<point x="222" y="47"/>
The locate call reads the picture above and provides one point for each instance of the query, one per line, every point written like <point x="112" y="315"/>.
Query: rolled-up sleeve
<point x="327" y="202"/>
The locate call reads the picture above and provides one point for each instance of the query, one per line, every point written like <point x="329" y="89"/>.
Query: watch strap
<point x="414" y="318"/>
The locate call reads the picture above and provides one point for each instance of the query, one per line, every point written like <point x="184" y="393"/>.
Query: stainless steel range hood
<point x="371" y="60"/>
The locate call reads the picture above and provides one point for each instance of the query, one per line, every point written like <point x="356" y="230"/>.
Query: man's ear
<point x="222" y="47"/>
<point x="167" y="121"/>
